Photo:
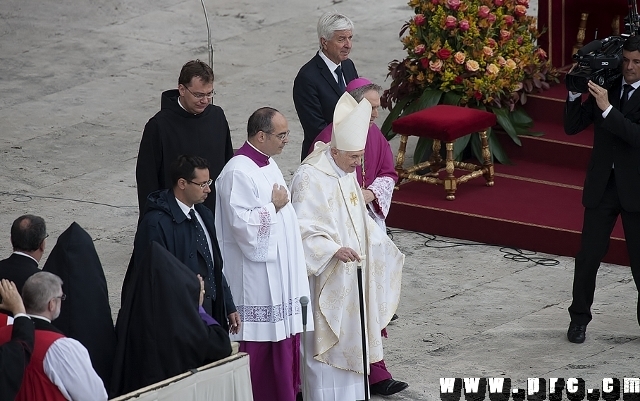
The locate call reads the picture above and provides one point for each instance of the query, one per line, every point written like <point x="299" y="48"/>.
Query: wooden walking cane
<point x="365" y="360"/>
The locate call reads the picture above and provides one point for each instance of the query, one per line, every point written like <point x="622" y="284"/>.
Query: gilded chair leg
<point x="450" y="180"/>
<point x="487" y="166"/>
<point x="436" y="159"/>
<point x="400" y="159"/>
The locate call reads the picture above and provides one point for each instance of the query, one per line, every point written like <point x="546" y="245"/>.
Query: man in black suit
<point x="28" y="234"/>
<point x="320" y="83"/>
<point x="612" y="184"/>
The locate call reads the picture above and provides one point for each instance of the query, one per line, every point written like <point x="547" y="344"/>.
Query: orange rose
<point x="472" y="65"/>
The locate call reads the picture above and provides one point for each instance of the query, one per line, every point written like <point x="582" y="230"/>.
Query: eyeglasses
<point x="201" y="96"/>
<point x="282" y="136"/>
<point x="204" y="184"/>
<point x="62" y="297"/>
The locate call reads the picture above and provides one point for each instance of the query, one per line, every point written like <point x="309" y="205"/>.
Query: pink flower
<point x="541" y="53"/>
<point x="508" y="19"/>
<point x="487" y="51"/>
<point x="459" y="57"/>
<point x="419" y="49"/>
<point x="464" y="25"/>
<point x="523" y="2"/>
<point x="519" y="41"/>
<point x="450" y="22"/>
<point x="472" y="65"/>
<point x="444" y="54"/>
<point x="498" y="3"/>
<point x="435" y="65"/>
<point x="504" y="34"/>
<point x="491" y="17"/>
<point x="434" y="2"/>
<point x="453" y="4"/>
<point x="520" y="10"/>
<point x="419" y="19"/>
<point x="492" y="69"/>
<point x="501" y="61"/>
<point x="483" y="11"/>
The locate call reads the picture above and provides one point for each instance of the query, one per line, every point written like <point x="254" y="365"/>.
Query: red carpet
<point x="535" y="203"/>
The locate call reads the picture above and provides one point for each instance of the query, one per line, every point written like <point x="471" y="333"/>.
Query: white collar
<point x="39" y="317"/>
<point x="332" y="66"/>
<point x="24" y="254"/>
<point x="341" y="173"/>
<point x="185" y="209"/>
<point x="258" y="150"/>
<point x="633" y="85"/>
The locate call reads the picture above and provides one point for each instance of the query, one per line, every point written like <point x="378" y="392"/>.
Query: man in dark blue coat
<point x="320" y="83"/>
<point x="178" y="221"/>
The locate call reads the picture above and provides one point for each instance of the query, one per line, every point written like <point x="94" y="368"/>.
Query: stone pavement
<point x="80" y="78"/>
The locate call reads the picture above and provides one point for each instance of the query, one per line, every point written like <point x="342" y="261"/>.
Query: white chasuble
<point x="262" y="251"/>
<point x="332" y="214"/>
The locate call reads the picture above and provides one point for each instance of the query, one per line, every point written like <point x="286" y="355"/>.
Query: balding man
<point x="28" y="234"/>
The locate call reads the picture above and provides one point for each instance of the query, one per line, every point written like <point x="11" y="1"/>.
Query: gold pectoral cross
<point x="354" y="198"/>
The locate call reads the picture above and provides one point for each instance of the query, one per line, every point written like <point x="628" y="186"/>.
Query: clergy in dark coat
<point x="86" y="315"/>
<point x="162" y="331"/>
<point x="187" y="123"/>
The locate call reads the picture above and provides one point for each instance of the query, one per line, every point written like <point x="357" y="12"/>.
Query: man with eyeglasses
<point x="187" y="123"/>
<point x="60" y="367"/>
<point x="260" y="241"/>
<point x="177" y="219"/>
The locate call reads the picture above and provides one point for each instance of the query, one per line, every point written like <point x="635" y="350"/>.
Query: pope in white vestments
<point x="264" y="263"/>
<point x="337" y="235"/>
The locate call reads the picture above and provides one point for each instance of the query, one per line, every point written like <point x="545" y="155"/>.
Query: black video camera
<point x="599" y="61"/>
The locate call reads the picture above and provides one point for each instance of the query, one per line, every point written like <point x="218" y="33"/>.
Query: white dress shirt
<point x="68" y="365"/>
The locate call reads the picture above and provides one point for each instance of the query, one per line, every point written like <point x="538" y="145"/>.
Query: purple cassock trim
<point x="249" y="151"/>
<point x="206" y="318"/>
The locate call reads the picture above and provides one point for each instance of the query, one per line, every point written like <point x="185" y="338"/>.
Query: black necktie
<point x="625" y="95"/>
<point x="341" y="83"/>
<point x="203" y="249"/>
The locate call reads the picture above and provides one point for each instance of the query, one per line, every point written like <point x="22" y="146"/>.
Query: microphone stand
<point x="209" y="44"/>
<point x="303" y="302"/>
<point x="365" y="360"/>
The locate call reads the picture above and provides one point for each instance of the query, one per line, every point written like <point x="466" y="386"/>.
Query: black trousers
<point x="596" y="231"/>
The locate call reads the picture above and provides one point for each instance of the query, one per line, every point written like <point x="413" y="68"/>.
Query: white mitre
<point x="350" y="124"/>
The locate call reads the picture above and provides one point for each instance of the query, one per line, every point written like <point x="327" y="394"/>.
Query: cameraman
<point x="612" y="184"/>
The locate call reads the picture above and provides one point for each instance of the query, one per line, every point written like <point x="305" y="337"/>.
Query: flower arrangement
<point x="475" y="53"/>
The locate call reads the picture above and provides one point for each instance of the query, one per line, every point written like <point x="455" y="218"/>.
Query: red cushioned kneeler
<point x="444" y="123"/>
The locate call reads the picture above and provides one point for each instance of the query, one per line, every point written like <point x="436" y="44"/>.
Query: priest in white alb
<point x="337" y="235"/>
<point x="264" y="262"/>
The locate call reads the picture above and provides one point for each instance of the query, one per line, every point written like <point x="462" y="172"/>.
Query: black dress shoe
<point x="388" y="387"/>
<point x="394" y="317"/>
<point x="576" y="333"/>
